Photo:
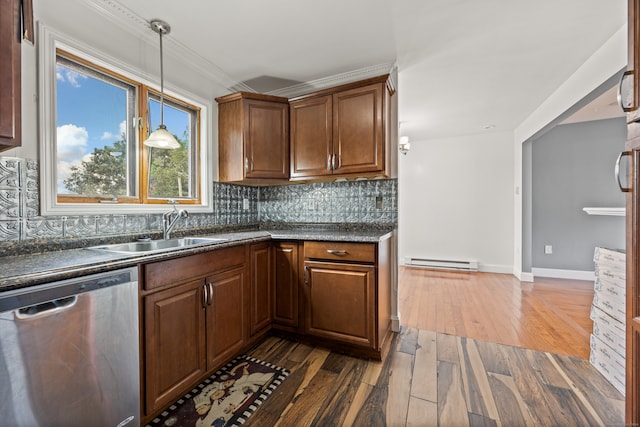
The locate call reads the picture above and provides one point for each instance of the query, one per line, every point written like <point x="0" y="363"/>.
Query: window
<point x="94" y="159"/>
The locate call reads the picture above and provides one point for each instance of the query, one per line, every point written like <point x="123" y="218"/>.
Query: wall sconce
<point x="404" y="145"/>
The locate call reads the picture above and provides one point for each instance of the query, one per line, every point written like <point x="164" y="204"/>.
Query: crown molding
<point x="335" y="80"/>
<point x="135" y="24"/>
<point x="139" y="27"/>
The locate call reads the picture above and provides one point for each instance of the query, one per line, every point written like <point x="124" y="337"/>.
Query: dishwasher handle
<point x="46" y="308"/>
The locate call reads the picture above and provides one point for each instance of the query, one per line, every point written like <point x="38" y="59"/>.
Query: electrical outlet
<point x="378" y="202"/>
<point x="548" y="249"/>
<point x="245" y="204"/>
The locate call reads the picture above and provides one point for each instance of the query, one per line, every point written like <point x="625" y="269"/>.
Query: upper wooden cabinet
<point x="343" y="130"/>
<point x="253" y="137"/>
<point x="10" y="105"/>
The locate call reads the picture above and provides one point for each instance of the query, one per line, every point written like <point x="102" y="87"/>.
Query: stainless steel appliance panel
<point x="69" y="353"/>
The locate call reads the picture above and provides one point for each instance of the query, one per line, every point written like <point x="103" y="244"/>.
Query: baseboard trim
<point x="395" y="323"/>
<point x="523" y="276"/>
<point x="495" y="268"/>
<point x="563" y="274"/>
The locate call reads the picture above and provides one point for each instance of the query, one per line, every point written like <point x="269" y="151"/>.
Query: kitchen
<point x="269" y="204"/>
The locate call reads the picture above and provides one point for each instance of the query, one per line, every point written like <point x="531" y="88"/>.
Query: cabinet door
<point x="358" y="130"/>
<point x="340" y="302"/>
<point x="311" y="137"/>
<point x="266" y="139"/>
<point x="10" y="105"/>
<point x="225" y="316"/>
<point x="175" y="351"/>
<point x="285" y="300"/>
<point x="261" y="288"/>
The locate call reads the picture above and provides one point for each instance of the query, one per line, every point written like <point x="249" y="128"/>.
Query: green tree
<point x="104" y="174"/>
<point x="169" y="171"/>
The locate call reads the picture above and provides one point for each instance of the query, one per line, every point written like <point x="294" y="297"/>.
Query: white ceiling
<point x="463" y="64"/>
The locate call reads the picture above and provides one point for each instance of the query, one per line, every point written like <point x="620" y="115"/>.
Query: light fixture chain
<point x="161" y="81"/>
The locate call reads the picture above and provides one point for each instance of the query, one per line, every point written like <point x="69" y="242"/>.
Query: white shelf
<point x="605" y="211"/>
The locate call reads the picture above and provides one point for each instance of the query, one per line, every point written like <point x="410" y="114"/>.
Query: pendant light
<point x="161" y="137"/>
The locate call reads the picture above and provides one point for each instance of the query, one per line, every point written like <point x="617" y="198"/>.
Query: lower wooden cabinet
<point x="200" y="311"/>
<point x="261" y="288"/>
<point x="175" y="343"/>
<point x="285" y="286"/>
<point x="225" y="314"/>
<point x="340" y="303"/>
<point x="195" y="312"/>
<point x="347" y="293"/>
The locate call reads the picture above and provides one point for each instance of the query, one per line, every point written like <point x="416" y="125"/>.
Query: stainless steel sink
<point x="158" y="245"/>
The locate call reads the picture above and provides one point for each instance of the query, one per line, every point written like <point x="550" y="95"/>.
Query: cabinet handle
<point x="337" y="251"/>
<point x="617" y="171"/>
<point x="246" y="165"/>
<point x="210" y="300"/>
<point x="306" y="275"/>
<point x="329" y="163"/>
<point x="205" y="295"/>
<point x="624" y="103"/>
<point x="339" y="161"/>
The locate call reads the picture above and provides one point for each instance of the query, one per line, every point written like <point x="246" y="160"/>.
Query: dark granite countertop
<point x="32" y="269"/>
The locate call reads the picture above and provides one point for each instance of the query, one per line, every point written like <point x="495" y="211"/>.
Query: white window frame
<point x="49" y="41"/>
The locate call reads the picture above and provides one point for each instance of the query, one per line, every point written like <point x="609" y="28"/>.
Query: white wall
<point x="456" y="200"/>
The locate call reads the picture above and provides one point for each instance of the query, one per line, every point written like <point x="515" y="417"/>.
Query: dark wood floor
<point x="430" y="377"/>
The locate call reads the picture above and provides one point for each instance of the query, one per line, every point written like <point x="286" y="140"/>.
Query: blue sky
<point x="91" y="114"/>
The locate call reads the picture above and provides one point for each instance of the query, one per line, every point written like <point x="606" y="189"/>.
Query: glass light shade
<point x="162" y="138"/>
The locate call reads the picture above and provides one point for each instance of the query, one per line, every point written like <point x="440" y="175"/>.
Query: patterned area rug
<point x="227" y="398"/>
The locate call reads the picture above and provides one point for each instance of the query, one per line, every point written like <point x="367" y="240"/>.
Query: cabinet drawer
<point x="175" y="271"/>
<point x="342" y="251"/>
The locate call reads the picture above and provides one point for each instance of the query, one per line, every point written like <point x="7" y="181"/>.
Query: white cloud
<point x="71" y="150"/>
<point x="72" y="77"/>
<point x="72" y="142"/>
<point x="106" y="135"/>
<point x="122" y="128"/>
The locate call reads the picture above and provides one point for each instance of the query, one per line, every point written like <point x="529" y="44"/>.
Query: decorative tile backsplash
<point x="350" y="202"/>
<point x="366" y="201"/>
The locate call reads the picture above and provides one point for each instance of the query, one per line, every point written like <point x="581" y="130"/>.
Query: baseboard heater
<point x="443" y="264"/>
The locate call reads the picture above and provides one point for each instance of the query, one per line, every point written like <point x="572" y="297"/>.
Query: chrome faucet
<point x="169" y="221"/>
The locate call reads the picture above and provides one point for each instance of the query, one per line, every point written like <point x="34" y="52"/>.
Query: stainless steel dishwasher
<point x="69" y="353"/>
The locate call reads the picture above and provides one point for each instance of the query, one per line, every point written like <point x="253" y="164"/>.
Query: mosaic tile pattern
<point x="331" y="202"/>
<point x="350" y="202"/>
<point x="10" y="188"/>
<point x="228" y="204"/>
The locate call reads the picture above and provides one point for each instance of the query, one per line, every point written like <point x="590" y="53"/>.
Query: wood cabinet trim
<point x="385" y="78"/>
<point x="250" y="95"/>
